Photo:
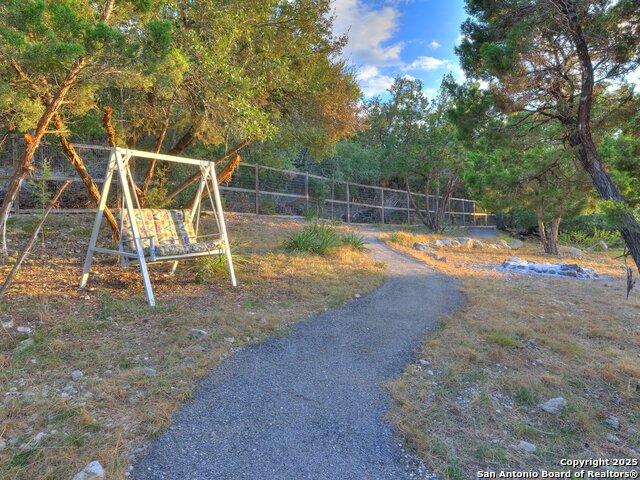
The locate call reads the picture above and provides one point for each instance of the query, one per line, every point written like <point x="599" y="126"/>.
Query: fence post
<point x="382" y="199"/>
<point x="408" y="209"/>
<point x="306" y="188"/>
<point x="348" y="205"/>
<point x="332" y="197"/>
<point x="257" y="190"/>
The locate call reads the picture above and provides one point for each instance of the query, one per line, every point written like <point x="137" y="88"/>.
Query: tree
<point x="551" y="60"/>
<point x="211" y="75"/>
<point x="51" y="53"/>
<point x="518" y="172"/>
<point x="417" y="144"/>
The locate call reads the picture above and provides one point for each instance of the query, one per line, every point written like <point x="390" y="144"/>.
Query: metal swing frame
<point x="119" y="159"/>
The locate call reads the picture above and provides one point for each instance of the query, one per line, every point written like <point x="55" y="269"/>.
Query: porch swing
<point x="153" y="235"/>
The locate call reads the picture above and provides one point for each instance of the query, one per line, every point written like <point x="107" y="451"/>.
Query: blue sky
<point x="400" y="37"/>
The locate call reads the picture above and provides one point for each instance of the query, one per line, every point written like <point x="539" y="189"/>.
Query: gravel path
<point x="311" y="404"/>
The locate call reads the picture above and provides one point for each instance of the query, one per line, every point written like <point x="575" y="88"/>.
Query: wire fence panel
<point x="254" y="189"/>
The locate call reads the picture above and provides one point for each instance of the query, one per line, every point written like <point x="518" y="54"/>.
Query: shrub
<point x="316" y="238"/>
<point x="309" y="214"/>
<point x="353" y="241"/>
<point x="591" y="240"/>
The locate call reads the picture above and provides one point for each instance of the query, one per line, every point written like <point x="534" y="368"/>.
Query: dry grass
<point x="519" y="341"/>
<point x="110" y="334"/>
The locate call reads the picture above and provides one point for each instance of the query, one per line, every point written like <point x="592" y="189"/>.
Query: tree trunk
<point x="184" y="141"/>
<point x="225" y="176"/>
<point x="446" y="197"/>
<point x="152" y="164"/>
<point x="86" y="178"/>
<point x="33" y="141"/>
<point x="542" y="231"/>
<point x="582" y="141"/>
<point x="196" y="176"/>
<point x="553" y="236"/>
<point x="424" y="219"/>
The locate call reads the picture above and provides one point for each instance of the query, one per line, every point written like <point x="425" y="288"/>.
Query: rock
<point x="465" y="242"/>
<point x="566" y="270"/>
<point x="93" y="471"/>
<point x="613" y="422"/>
<point x="515" y="244"/>
<point x="437" y="244"/>
<point x="613" y="438"/>
<point x="357" y="295"/>
<point x="7" y="324"/>
<point x="527" y="447"/>
<point x="229" y="340"/>
<point x="555" y="405"/>
<point x="571" y="252"/>
<point x="455" y="243"/>
<point x="24" y="329"/>
<point x="421" y="246"/>
<point x="603" y="245"/>
<point x="503" y="244"/>
<point x="76" y="375"/>
<point x="478" y="244"/>
<point x="23" y="346"/>
<point x="435" y="256"/>
<point x="424" y="362"/>
<point x="196" y="333"/>
<point x="37" y="439"/>
<point x="149" y="371"/>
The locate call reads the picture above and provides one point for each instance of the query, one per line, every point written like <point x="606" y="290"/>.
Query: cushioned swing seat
<point x="172" y="232"/>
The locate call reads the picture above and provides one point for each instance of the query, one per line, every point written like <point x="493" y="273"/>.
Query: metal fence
<point x="257" y="189"/>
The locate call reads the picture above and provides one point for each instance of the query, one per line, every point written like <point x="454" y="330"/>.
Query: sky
<point x="400" y="37"/>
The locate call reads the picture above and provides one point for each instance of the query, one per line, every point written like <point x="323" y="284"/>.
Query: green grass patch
<point x="504" y="340"/>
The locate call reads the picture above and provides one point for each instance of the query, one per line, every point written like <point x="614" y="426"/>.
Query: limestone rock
<point x="93" y="471"/>
<point x="196" y="333"/>
<point x="515" y="244"/>
<point x="527" y="447"/>
<point x="554" y="406"/>
<point x="613" y="422"/>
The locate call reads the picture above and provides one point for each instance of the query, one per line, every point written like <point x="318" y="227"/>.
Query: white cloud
<point x="372" y="82"/>
<point x="434" y="45"/>
<point x="369" y="30"/>
<point x="426" y="63"/>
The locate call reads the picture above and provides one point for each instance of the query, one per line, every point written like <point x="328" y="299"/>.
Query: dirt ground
<point x="139" y="363"/>
<point x="520" y="340"/>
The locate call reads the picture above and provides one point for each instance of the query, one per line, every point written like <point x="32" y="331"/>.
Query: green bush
<point x="309" y="214"/>
<point x="353" y="241"/>
<point x="316" y="238"/>
<point x="591" y="240"/>
<point x="319" y="238"/>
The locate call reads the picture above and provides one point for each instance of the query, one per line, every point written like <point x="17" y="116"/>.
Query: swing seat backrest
<point x="172" y="232"/>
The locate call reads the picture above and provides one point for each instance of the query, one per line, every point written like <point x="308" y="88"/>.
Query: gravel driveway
<point x="311" y="404"/>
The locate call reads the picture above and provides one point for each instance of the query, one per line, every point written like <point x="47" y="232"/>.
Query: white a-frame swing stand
<point x="158" y="235"/>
